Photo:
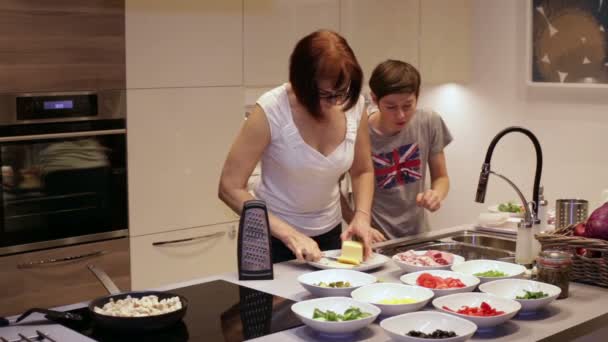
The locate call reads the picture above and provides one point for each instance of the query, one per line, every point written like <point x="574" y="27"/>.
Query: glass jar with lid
<point x="554" y="268"/>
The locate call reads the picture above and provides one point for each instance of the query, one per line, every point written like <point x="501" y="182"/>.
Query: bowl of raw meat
<point x="414" y="261"/>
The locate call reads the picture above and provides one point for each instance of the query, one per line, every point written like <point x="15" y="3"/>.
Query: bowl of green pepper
<point x="490" y="270"/>
<point x="335" y="315"/>
<point x="532" y="295"/>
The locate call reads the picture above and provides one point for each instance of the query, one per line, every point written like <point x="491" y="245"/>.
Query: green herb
<point x="533" y="295"/>
<point x="335" y="284"/>
<point x="491" y="274"/>
<point x="350" y="314"/>
<point x="509" y="207"/>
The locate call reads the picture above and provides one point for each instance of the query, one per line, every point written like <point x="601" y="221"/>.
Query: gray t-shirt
<point x="400" y="165"/>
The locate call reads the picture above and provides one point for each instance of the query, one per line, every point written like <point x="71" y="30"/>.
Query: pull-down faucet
<point x="530" y="208"/>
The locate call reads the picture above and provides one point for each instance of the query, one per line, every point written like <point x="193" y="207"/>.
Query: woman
<point x="404" y="140"/>
<point x="307" y="133"/>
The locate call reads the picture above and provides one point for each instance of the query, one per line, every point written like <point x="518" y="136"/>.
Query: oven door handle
<point x="32" y="264"/>
<point x="195" y="238"/>
<point x="62" y="135"/>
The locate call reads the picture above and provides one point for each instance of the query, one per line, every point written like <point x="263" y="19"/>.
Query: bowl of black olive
<point x="428" y="325"/>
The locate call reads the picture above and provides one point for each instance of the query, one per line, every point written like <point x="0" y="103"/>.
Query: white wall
<point x="572" y="126"/>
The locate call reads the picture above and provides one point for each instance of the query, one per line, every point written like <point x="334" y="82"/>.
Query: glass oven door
<point x="64" y="186"/>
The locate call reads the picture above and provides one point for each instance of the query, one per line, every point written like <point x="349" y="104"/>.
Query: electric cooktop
<point x="217" y="311"/>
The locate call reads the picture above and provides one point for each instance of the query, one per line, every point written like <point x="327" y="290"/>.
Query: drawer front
<point x="60" y="276"/>
<point x="165" y="258"/>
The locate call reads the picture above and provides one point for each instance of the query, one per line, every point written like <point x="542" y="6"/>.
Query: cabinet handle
<point x="62" y="135"/>
<point x="32" y="264"/>
<point x="195" y="238"/>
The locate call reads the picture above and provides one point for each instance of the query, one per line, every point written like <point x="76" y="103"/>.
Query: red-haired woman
<point x="307" y="133"/>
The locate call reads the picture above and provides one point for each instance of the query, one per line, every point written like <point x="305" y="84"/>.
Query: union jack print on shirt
<point x="397" y="167"/>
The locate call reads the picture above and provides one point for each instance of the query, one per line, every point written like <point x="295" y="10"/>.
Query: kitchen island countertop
<point x="582" y="314"/>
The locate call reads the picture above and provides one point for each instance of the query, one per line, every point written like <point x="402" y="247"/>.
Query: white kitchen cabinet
<point x="445" y="40"/>
<point x="165" y="258"/>
<point x="271" y="30"/>
<point x="380" y="30"/>
<point x="178" y="139"/>
<point x="184" y="43"/>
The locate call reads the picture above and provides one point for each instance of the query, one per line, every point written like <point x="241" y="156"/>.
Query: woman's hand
<point x="359" y="227"/>
<point x="429" y="199"/>
<point x="303" y="247"/>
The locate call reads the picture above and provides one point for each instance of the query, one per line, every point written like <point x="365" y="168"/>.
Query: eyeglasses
<point x="334" y="97"/>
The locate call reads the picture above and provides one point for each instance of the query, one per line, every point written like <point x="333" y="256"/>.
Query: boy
<point x="404" y="140"/>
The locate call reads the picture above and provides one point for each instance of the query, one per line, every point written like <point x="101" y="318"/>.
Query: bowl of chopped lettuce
<point x="532" y="295"/>
<point x="335" y="315"/>
<point x="489" y="270"/>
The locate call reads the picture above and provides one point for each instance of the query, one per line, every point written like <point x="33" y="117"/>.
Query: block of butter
<point x="352" y="253"/>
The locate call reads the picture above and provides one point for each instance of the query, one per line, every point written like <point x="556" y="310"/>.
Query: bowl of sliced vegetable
<point x="532" y="295"/>
<point x="485" y="310"/>
<point x="510" y="207"/>
<point x="334" y="282"/>
<point x="442" y="282"/>
<point x="394" y="298"/>
<point x="489" y="270"/>
<point x="424" y="325"/>
<point x="335" y="315"/>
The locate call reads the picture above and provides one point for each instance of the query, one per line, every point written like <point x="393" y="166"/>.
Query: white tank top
<point x="298" y="183"/>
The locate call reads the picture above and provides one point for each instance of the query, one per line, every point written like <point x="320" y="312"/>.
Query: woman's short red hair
<point x="324" y="55"/>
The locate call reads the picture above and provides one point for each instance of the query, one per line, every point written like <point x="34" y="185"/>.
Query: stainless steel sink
<point x="486" y="241"/>
<point x="469" y="252"/>
<point x="467" y="243"/>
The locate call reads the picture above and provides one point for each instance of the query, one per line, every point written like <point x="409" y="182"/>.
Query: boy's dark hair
<point x="324" y="54"/>
<point x="392" y="76"/>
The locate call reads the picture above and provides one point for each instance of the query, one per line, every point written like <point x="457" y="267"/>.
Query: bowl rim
<point x="479" y="261"/>
<point x="363" y="274"/>
<point x="339" y="298"/>
<point x="419" y="273"/>
<point x="396" y="285"/>
<point x="443" y="314"/>
<point x="472" y="294"/>
<point x="532" y="300"/>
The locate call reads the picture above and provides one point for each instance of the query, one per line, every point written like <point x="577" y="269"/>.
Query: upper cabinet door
<point x="184" y="43"/>
<point x="381" y="29"/>
<point x="445" y="41"/>
<point x="178" y="141"/>
<point x="272" y="29"/>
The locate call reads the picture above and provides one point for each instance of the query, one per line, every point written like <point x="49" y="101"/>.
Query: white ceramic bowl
<point x="477" y="266"/>
<point x="375" y="293"/>
<point x="305" y="309"/>
<point x="413" y="268"/>
<point x="511" y="288"/>
<point x="469" y="281"/>
<point x="427" y="322"/>
<point x="355" y="278"/>
<point x="474" y="299"/>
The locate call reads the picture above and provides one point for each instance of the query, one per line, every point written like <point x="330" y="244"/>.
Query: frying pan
<point x="132" y="324"/>
<point x="119" y="324"/>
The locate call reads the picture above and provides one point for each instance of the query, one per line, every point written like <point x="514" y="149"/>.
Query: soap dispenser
<point x="541" y="224"/>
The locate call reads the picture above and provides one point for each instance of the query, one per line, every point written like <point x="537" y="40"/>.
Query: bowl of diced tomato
<point x="442" y="282"/>
<point x="483" y="309"/>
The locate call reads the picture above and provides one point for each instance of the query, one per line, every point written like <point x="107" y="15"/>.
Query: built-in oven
<point x="64" y="169"/>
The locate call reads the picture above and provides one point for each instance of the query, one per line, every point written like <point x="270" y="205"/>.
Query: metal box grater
<point x="254" y="246"/>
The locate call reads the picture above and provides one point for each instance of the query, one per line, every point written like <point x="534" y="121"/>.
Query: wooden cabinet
<point x="184" y="43"/>
<point x="445" y="40"/>
<point x="178" y="140"/>
<point x="161" y="259"/>
<point x="273" y="27"/>
<point x="380" y="30"/>
<point x="47" y="278"/>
